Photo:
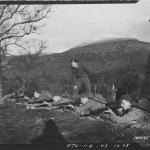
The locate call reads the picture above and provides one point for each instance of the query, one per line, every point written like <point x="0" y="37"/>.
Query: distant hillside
<point x="103" y="56"/>
<point x="114" y="60"/>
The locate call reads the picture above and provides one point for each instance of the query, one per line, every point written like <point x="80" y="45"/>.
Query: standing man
<point x="82" y="85"/>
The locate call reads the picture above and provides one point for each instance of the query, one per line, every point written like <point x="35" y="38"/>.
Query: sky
<point x="70" y="25"/>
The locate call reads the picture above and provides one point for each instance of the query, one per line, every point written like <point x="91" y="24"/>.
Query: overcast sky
<point x="70" y="25"/>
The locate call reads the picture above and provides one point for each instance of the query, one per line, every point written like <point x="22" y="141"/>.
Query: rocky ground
<point x="19" y="125"/>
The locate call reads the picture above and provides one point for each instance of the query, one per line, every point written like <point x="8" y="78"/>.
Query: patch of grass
<point x="20" y="126"/>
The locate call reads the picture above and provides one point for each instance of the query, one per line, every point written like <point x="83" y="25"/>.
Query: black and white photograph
<point x="75" y="75"/>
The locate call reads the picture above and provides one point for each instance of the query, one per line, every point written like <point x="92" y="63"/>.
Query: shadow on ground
<point x="50" y="136"/>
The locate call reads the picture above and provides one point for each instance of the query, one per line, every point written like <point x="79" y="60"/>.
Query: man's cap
<point x="74" y="60"/>
<point x="127" y="97"/>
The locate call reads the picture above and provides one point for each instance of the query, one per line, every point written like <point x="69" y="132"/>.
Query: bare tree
<point x="30" y="57"/>
<point x="24" y="66"/>
<point x="16" y="22"/>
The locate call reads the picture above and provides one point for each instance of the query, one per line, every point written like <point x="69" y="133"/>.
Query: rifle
<point x="58" y="105"/>
<point x="40" y="101"/>
<point x="98" y="100"/>
<point x="66" y="103"/>
<point x="112" y="106"/>
<point x="137" y="106"/>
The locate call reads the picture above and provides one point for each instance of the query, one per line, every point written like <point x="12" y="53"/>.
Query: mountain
<point x="120" y="60"/>
<point x="116" y="58"/>
<point x="103" y="56"/>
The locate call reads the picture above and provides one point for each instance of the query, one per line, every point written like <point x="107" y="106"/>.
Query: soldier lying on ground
<point x="124" y="114"/>
<point x="91" y="104"/>
<point x="135" y="115"/>
<point x="43" y="95"/>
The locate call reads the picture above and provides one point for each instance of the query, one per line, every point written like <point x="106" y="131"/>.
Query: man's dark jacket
<point x="82" y="82"/>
